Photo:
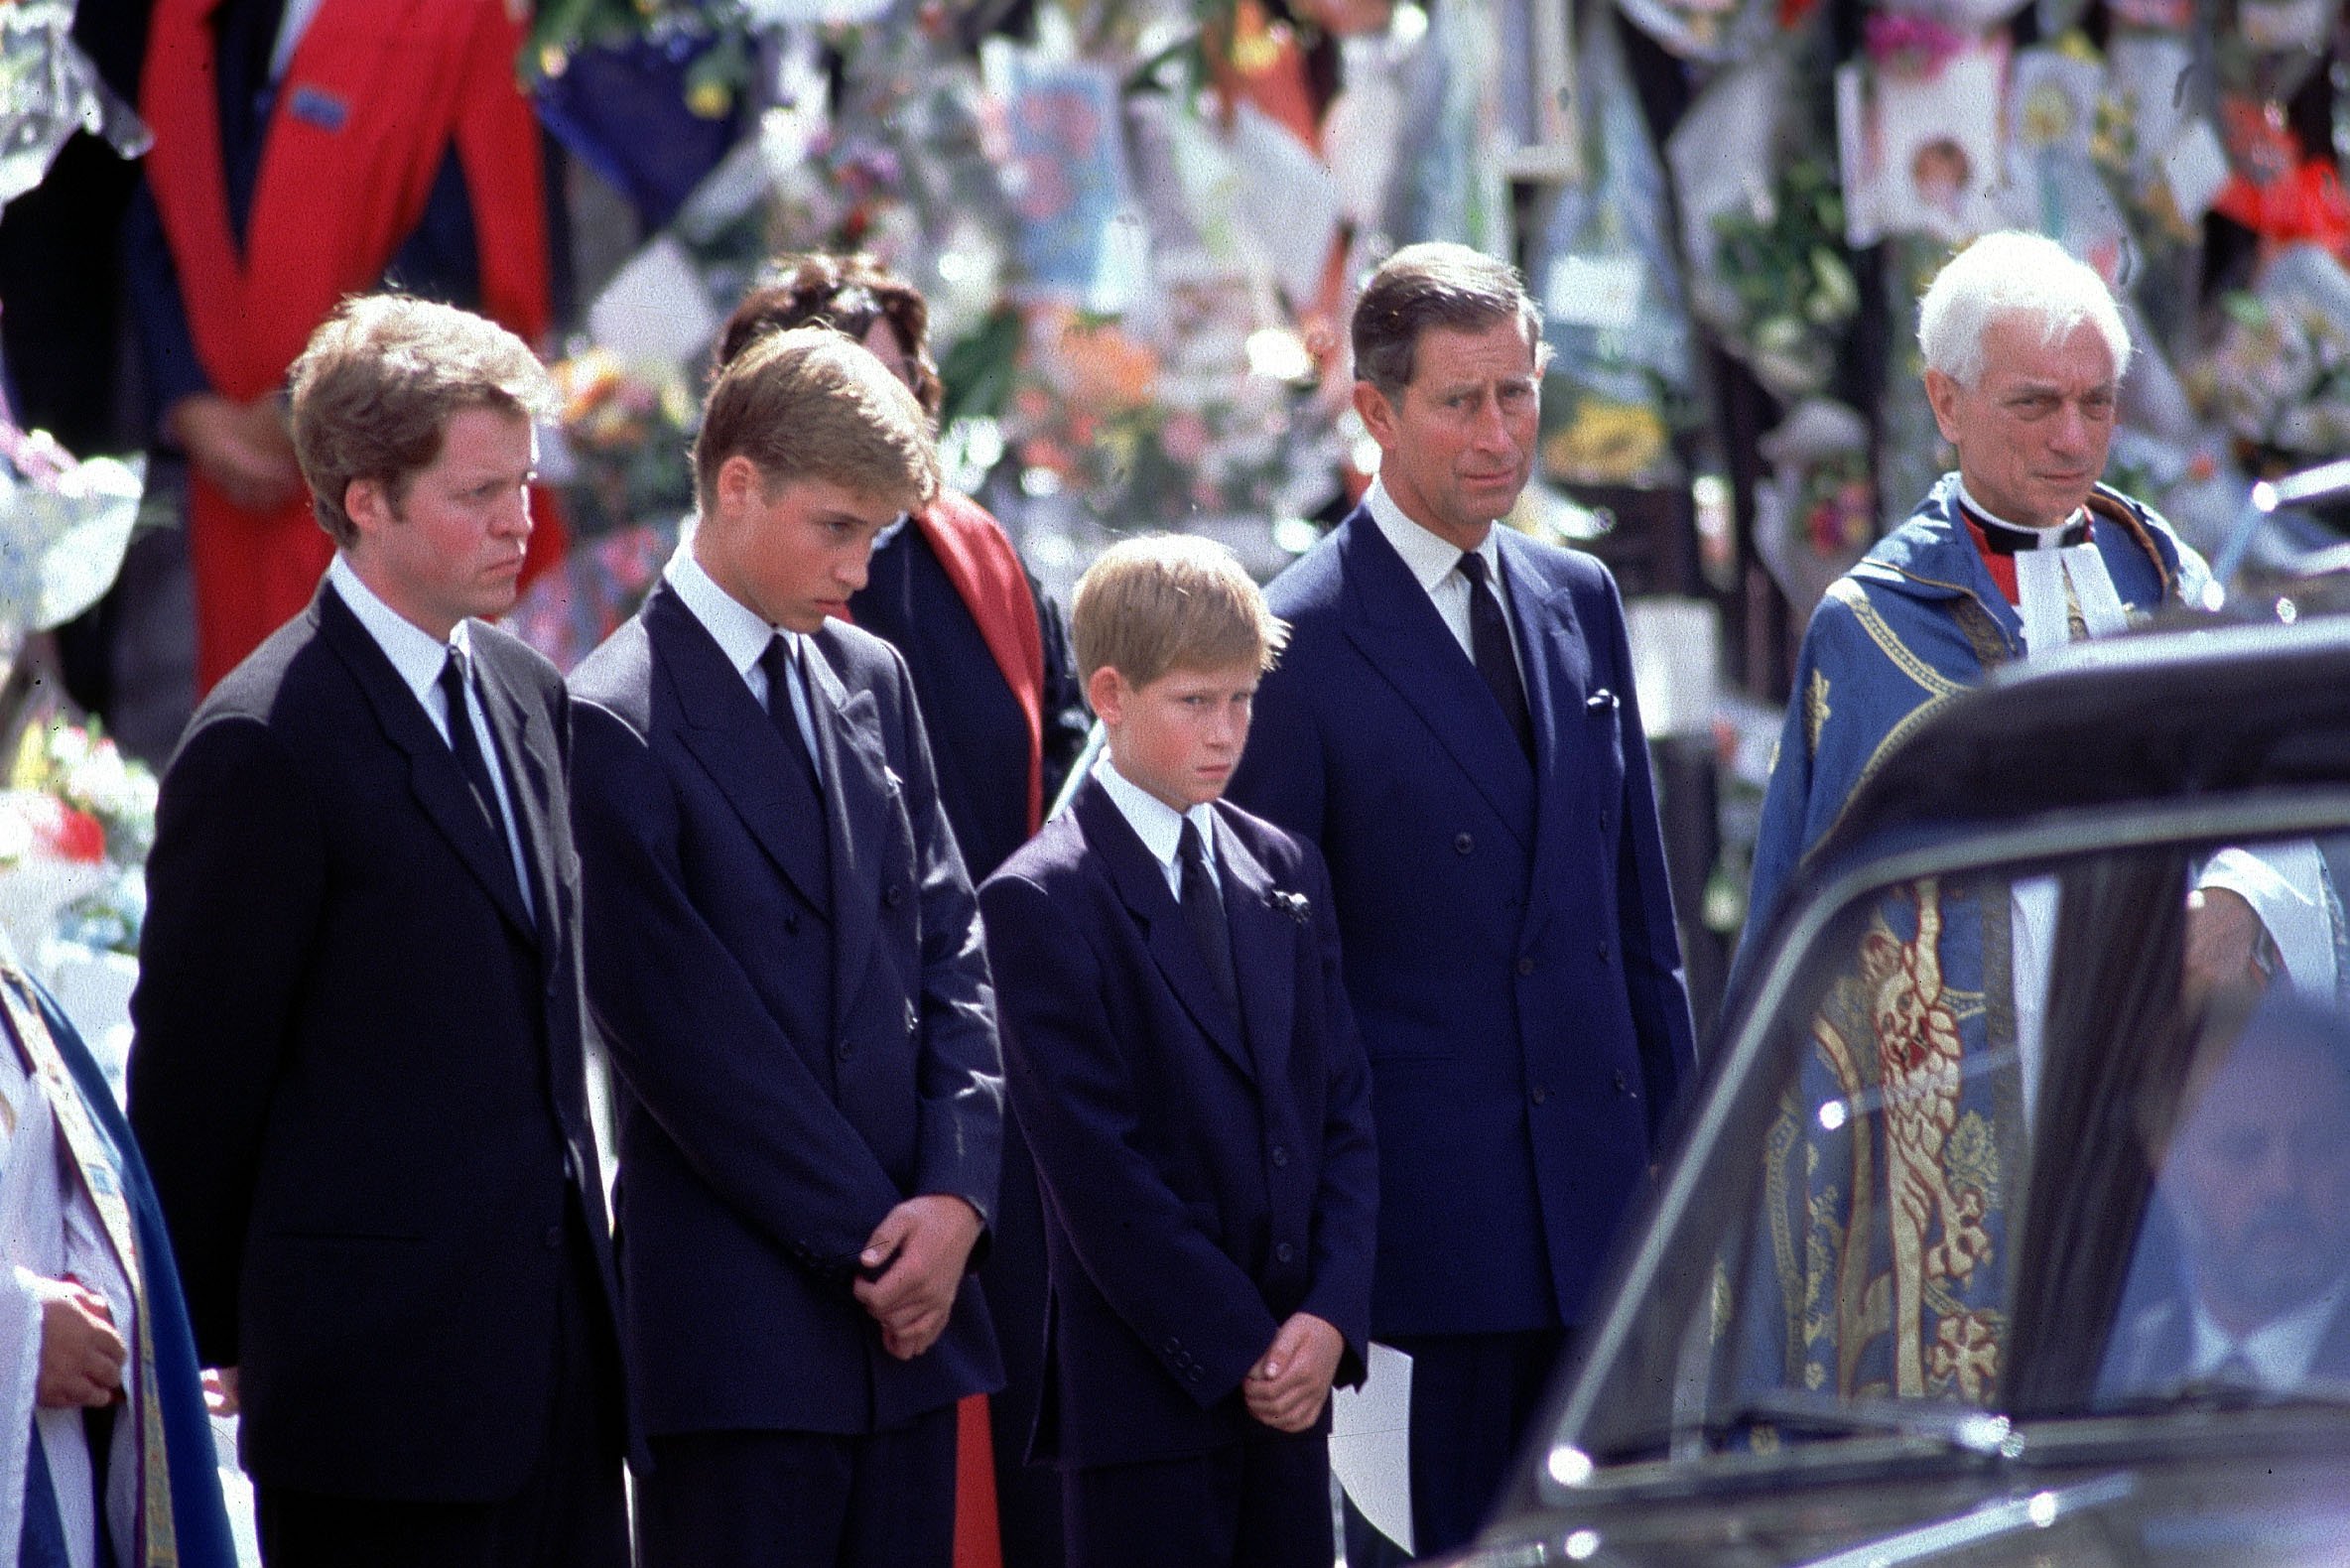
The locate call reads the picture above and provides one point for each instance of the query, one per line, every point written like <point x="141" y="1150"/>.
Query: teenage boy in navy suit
<point x="1179" y="1046"/>
<point x="784" y="956"/>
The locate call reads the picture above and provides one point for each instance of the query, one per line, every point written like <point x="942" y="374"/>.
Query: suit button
<point x="1603" y="952"/>
<point x="913" y="1021"/>
<point x="844" y="1050"/>
<point x="1525" y="965"/>
<point x="1174" y="1347"/>
<point x="791" y="924"/>
<point x="1193" y="1375"/>
<point x="1537" y="1093"/>
<point x="554" y="1238"/>
<point x="1462" y="845"/>
<point x="894" y="894"/>
<point x="1280" y="1155"/>
<point x="1285" y="1253"/>
<point x="1620" y="1087"/>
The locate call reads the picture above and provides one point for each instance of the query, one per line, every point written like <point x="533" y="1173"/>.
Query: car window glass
<point x="2001" y="1109"/>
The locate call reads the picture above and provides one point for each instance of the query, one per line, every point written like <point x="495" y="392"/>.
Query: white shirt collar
<point x="1967" y="500"/>
<point x="741" y="634"/>
<point x="1429" y="554"/>
<point x="1158" y="824"/>
<point x="2281" y="1351"/>
<point x="416" y="653"/>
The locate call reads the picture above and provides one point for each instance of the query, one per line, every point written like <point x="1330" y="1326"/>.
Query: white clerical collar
<point x="742" y="634"/>
<point x="2044" y="538"/>
<point x="2281" y="1351"/>
<point x="1428" y="555"/>
<point x="1158" y="824"/>
<point x="415" y="652"/>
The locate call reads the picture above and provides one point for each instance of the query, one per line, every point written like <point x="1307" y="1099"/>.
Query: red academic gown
<point x="376" y="93"/>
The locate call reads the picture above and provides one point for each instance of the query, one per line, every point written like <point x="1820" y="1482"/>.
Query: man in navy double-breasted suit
<point x="784" y="954"/>
<point x="1453" y="724"/>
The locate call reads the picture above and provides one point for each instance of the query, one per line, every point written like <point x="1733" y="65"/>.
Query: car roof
<point x="2203" y="708"/>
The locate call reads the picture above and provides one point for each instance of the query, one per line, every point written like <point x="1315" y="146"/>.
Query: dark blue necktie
<point x="781" y="662"/>
<point x="1203" y="911"/>
<point x="1489" y="642"/>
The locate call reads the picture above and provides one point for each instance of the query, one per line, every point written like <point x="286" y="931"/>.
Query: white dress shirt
<point x="1160" y="826"/>
<point x="292" y="26"/>
<point x="741" y="636"/>
<point x="2281" y="1351"/>
<point x="419" y="656"/>
<point x="1436" y="563"/>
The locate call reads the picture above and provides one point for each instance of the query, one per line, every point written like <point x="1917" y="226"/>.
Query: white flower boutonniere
<point x="1295" y="905"/>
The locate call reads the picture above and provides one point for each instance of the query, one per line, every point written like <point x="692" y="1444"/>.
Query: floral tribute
<point x="76" y="824"/>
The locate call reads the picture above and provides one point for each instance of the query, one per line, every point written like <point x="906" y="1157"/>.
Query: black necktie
<point x="454" y="678"/>
<point x="1488" y="641"/>
<point x="1203" y="911"/>
<point x="781" y="662"/>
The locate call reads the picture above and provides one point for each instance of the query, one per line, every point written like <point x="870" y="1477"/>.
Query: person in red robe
<point x="306" y="149"/>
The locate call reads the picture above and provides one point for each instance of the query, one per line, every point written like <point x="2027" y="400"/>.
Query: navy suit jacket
<point x="1510" y="940"/>
<point x="1205" y="1177"/>
<point x="358" y="1076"/>
<point x="796" y="996"/>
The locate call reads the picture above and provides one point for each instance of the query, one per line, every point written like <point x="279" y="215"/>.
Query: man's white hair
<point x="2012" y="274"/>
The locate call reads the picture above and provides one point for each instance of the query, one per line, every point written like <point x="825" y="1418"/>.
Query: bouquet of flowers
<point x="1151" y="429"/>
<point x="1817" y="511"/>
<point x="2279" y="377"/>
<point x="1782" y="261"/>
<point x="625" y="429"/>
<point x="76" y="824"/>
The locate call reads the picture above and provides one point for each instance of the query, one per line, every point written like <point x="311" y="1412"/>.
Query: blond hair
<point x="1171" y="601"/>
<point x="372" y="395"/>
<point x="808" y="404"/>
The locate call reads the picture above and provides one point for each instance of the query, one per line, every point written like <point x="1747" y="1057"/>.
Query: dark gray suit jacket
<point x="358" y="1076"/>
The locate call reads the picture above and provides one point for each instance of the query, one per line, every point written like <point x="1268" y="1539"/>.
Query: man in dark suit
<point x="1179" y="1046"/>
<point x="2255" y="1185"/>
<point x="358" y="1074"/>
<point x="784" y="955"/>
<point x="1453" y="724"/>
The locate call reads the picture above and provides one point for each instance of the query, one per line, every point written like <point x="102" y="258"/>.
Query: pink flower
<point x="1185" y="438"/>
<point x="1906" y="44"/>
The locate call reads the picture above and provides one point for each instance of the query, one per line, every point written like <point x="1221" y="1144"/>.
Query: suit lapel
<point x="1571" y="715"/>
<point x="856" y="797"/>
<point x="1264" y="953"/>
<point x="1142" y="887"/>
<point x="433" y="776"/>
<point x="739" y="747"/>
<point x="1396" y="627"/>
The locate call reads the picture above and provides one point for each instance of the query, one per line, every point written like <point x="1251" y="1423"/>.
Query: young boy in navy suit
<point x="1179" y="1046"/>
